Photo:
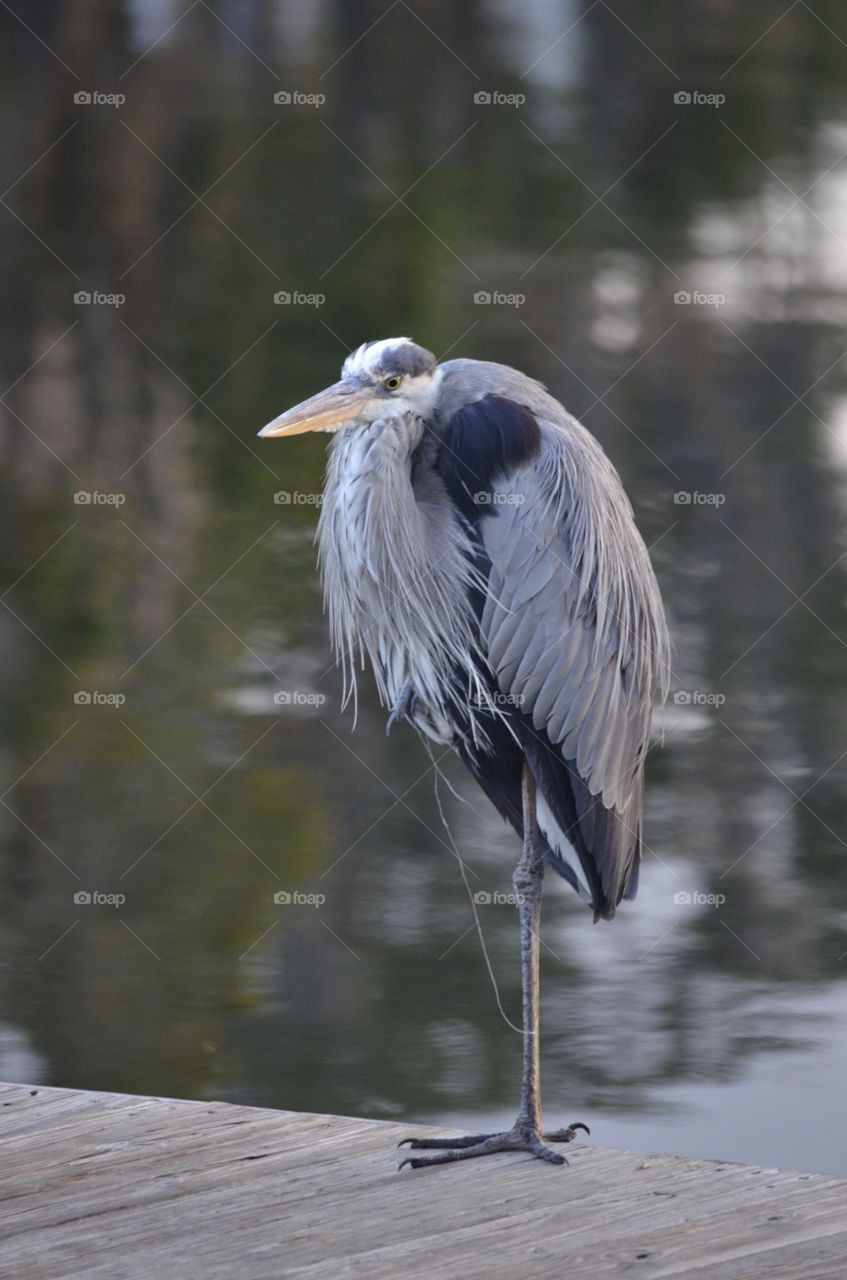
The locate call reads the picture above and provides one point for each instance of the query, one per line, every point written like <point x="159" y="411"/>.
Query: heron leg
<point x="403" y="707"/>
<point x="528" y="879"/>
<point x="525" y="1134"/>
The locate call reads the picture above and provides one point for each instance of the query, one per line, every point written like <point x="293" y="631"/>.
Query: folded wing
<point x="571" y="624"/>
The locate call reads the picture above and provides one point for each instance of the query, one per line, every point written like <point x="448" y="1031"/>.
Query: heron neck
<point x="392" y="438"/>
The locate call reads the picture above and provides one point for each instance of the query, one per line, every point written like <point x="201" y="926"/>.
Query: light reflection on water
<point x="712" y="1030"/>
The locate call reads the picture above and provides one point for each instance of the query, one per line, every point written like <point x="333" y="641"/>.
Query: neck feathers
<point x="396" y="569"/>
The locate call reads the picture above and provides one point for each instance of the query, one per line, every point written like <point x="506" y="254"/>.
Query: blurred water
<point x="191" y="593"/>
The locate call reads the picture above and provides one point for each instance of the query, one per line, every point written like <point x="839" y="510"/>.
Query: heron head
<point x="381" y="380"/>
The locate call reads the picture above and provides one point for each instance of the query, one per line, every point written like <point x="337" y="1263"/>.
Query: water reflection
<point x="191" y="592"/>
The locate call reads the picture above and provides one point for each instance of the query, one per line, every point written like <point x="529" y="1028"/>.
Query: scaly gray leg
<point x="525" y="1134"/>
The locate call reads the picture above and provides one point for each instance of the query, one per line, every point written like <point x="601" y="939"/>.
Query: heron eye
<point x="392" y="383"/>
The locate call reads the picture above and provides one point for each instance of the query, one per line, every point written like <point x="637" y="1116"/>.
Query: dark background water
<point x="191" y="593"/>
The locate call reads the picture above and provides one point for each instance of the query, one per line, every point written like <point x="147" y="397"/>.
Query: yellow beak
<point x="327" y="411"/>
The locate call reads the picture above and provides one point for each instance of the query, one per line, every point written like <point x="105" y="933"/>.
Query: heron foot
<point x="521" y="1137"/>
<point x="403" y="708"/>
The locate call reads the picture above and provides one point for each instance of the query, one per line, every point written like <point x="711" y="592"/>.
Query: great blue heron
<point x="476" y="541"/>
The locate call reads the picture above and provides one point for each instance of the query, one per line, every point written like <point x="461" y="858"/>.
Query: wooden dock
<point x="105" y="1185"/>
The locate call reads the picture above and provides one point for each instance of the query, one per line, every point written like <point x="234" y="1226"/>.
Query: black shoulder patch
<point x="485" y="442"/>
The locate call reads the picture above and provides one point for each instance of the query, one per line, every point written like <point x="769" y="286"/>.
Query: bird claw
<point x="403" y="708"/>
<point x="567" y="1135"/>
<point x="519" y="1138"/>
<point x="469" y="1140"/>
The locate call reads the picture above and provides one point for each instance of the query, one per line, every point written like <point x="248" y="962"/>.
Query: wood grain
<point x="111" y="1187"/>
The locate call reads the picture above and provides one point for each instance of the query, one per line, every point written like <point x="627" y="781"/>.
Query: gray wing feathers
<point x="573" y="622"/>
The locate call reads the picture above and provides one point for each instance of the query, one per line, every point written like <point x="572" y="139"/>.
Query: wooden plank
<point x="107" y="1186"/>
